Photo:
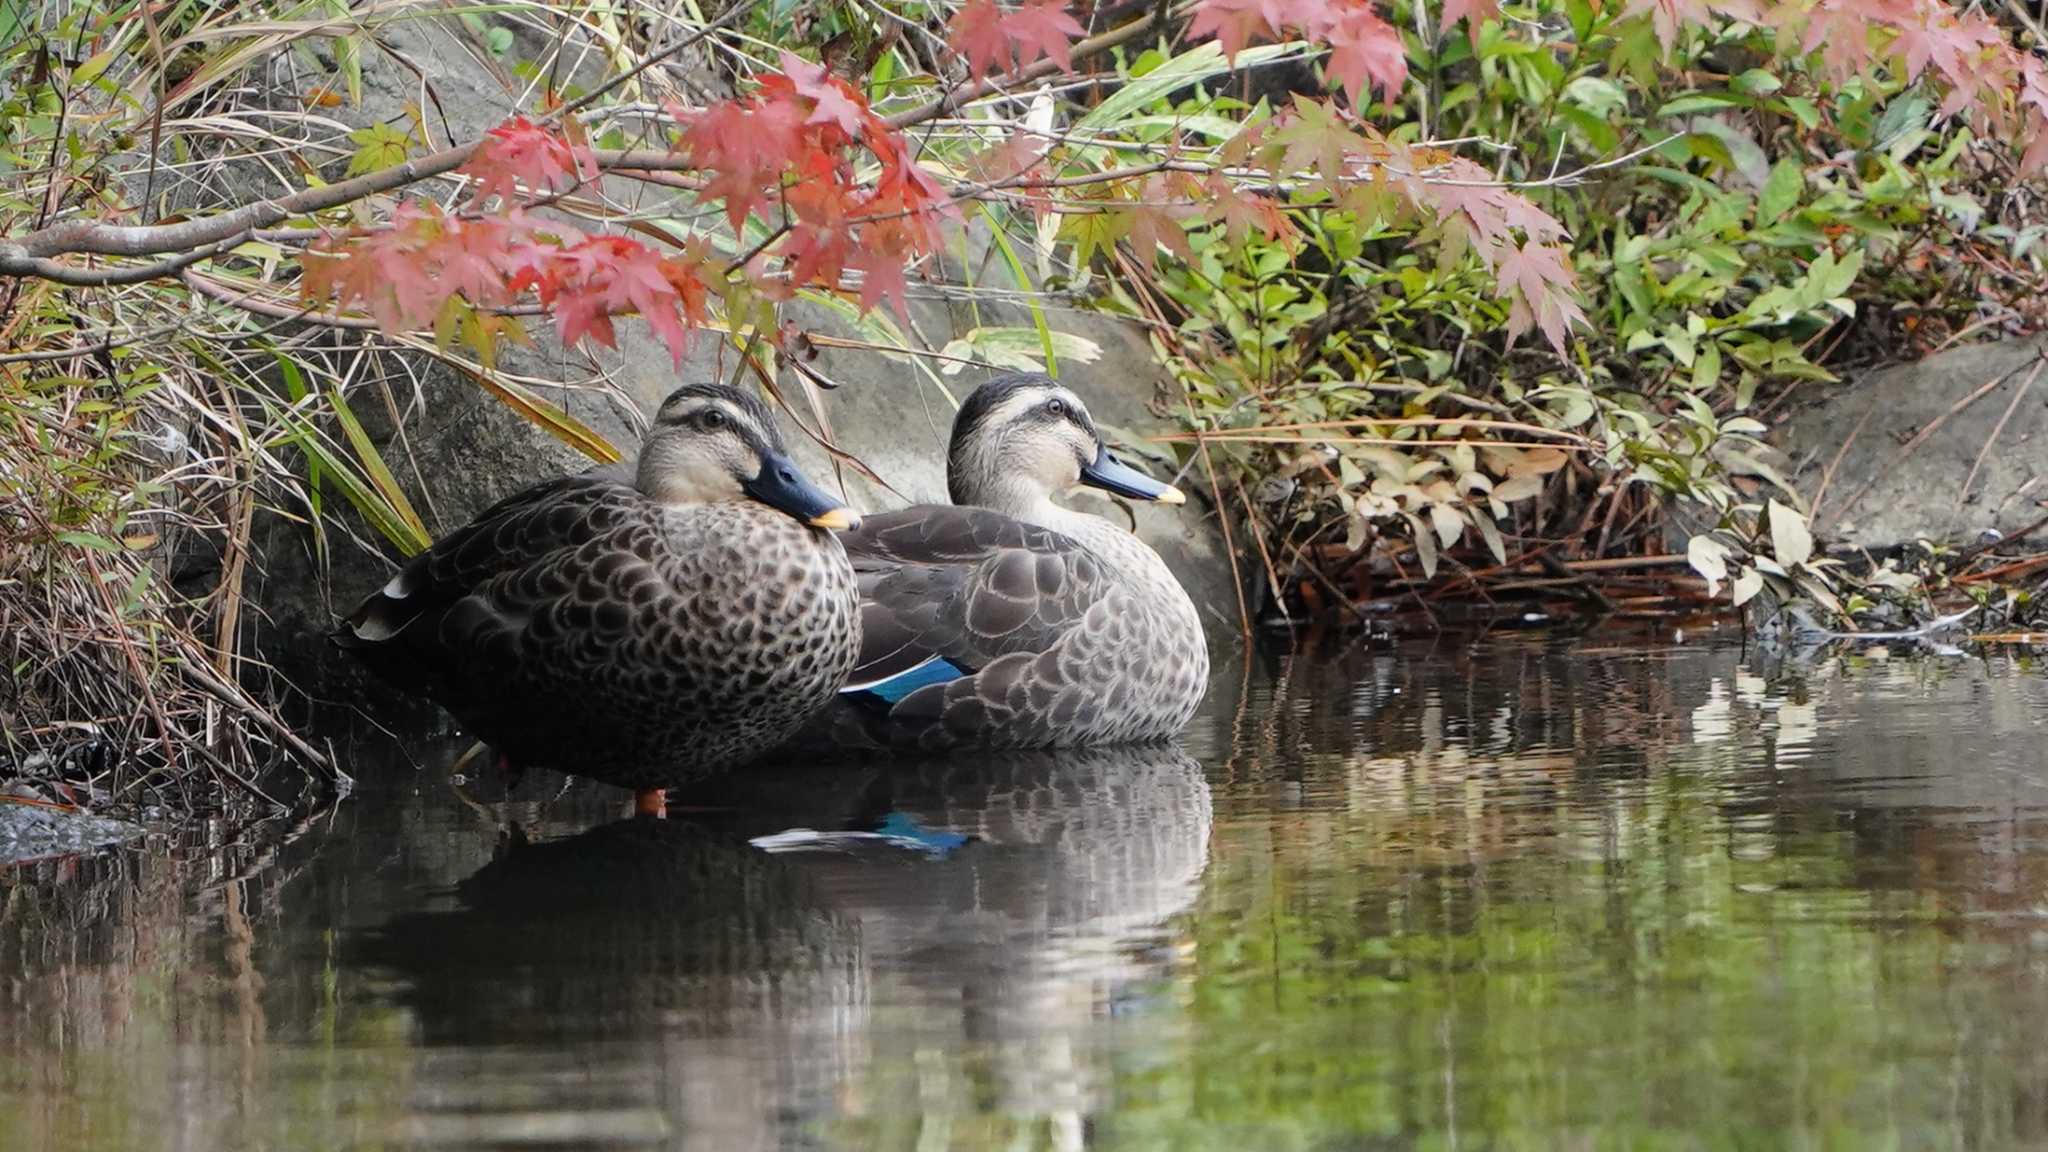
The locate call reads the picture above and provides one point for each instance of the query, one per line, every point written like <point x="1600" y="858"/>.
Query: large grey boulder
<point x="1877" y="489"/>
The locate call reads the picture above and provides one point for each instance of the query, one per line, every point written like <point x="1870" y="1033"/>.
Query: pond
<point x="1504" y="892"/>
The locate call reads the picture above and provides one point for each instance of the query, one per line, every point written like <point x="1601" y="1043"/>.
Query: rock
<point x="1880" y="496"/>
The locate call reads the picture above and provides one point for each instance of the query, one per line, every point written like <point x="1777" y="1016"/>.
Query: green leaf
<point x="1046" y="344"/>
<point x="1829" y="278"/>
<point x="1203" y="63"/>
<point x="1019" y="348"/>
<point x="1598" y="132"/>
<point x="1698" y="102"/>
<point x="94" y="67"/>
<point x="1425" y="543"/>
<point x="92" y="540"/>
<point x="1597" y="94"/>
<point x="1791" y="540"/>
<point x="552" y="420"/>
<point x="1708" y="557"/>
<point x="348" y="53"/>
<point x="1903" y="116"/>
<point x="378" y="146"/>
<point x="1757" y="82"/>
<point x="1748" y="583"/>
<point x="1781" y="192"/>
<point x="295" y="387"/>
<point x="379" y="474"/>
<point x="355" y="491"/>
<point x="1803" y="110"/>
<point x="1706" y="368"/>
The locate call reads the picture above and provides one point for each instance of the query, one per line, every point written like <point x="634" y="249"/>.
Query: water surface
<point x="1507" y="893"/>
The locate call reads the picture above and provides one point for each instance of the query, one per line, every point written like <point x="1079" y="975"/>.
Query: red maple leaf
<point x="833" y="101"/>
<point x="1668" y="17"/>
<point x="1020" y="155"/>
<point x="1163" y="202"/>
<point x="1364" y="47"/>
<point x="881" y="278"/>
<point x="1473" y="12"/>
<point x="1235" y="23"/>
<point x="1542" y="288"/>
<point x="2033" y="103"/>
<point x="1840" y="29"/>
<point x="522" y="152"/>
<point x="1043" y="29"/>
<point x="1522" y="212"/>
<point x="839" y="107"/>
<point x="818" y="245"/>
<point x="684" y="276"/>
<point x="1240" y="211"/>
<point x="2034" y="160"/>
<point x="585" y="284"/>
<point x="386" y="271"/>
<point x="990" y="39"/>
<point x="743" y="149"/>
<point x="1465" y="195"/>
<point x="976" y="36"/>
<point x="470" y="257"/>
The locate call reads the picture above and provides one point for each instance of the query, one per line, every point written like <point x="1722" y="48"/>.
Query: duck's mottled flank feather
<point x="1063" y="640"/>
<point x="582" y="626"/>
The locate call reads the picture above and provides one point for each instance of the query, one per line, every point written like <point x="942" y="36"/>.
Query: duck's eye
<point x="1056" y="407"/>
<point x="711" y="420"/>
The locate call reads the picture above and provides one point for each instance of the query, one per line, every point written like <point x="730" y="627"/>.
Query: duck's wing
<point x="518" y="532"/>
<point x="948" y="591"/>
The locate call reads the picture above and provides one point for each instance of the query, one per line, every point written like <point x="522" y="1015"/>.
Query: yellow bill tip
<point x="1172" y="495"/>
<point x="841" y="519"/>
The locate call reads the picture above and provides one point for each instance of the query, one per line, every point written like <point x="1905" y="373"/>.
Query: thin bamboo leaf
<point x="373" y="466"/>
<point x="1203" y="63"/>
<point x="517" y="397"/>
<point x="353" y="489"/>
<point x="1045" y="341"/>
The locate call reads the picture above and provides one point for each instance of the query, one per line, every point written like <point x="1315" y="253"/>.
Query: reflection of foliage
<point x="1557" y="900"/>
<point x="1646" y="946"/>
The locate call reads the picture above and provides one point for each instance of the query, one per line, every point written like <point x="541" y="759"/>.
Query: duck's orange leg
<point x="651" y="802"/>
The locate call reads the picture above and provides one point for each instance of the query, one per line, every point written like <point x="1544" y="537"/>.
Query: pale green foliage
<point x="1720" y="266"/>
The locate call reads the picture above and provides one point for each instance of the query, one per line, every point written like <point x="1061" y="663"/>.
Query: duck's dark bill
<point x="1112" y="475"/>
<point x="781" y="487"/>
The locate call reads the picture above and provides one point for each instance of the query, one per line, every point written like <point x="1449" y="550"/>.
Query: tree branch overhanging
<point x="32" y="255"/>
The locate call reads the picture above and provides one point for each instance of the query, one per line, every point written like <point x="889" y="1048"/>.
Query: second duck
<point x="1006" y="620"/>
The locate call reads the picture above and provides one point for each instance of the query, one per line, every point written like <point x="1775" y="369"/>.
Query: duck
<point x="642" y="624"/>
<point x="1005" y="620"/>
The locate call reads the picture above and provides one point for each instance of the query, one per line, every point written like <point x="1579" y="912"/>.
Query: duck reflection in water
<point x="992" y="912"/>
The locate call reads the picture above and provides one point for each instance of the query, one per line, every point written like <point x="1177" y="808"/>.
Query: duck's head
<point x="712" y="444"/>
<point x="1021" y="438"/>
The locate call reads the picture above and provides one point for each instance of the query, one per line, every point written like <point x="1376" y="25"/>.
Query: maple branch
<point x="248" y="302"/>
<point x="74" y="276"/>
<point x="258" y="304"/>
<point x="29" y="255"/>
<point x="21" y="257"/>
